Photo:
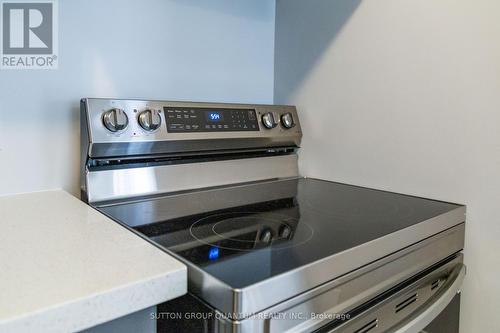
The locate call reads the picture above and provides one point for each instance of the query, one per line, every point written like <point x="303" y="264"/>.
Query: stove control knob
<point x="287" y="120"/>
<point x="150" y="120"/>
<point x="266" y="236"/>
<point x="115" y="120"/>
<point x="268" y="120"/>
<point x="285" y="231"/>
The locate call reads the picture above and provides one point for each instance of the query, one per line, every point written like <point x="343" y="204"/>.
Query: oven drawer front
<point x="413" y="309"/>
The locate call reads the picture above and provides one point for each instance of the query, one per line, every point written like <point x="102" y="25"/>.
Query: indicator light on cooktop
<point x="213" y="253"/>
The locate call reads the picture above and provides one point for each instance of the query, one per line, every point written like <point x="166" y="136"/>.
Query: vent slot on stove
<point x="435" y="284"/>
<point x="367" y="327"/>
<point x="407" y="302"/>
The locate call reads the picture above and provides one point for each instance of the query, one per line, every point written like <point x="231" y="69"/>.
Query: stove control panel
<point x="186" y="120"/>
<point x="120" y="127"/>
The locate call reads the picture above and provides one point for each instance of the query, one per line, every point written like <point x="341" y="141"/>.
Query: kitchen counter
<point x="66" y="267"/>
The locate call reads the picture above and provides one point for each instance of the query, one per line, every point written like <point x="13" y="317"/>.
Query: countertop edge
<point x="101" y="307"/>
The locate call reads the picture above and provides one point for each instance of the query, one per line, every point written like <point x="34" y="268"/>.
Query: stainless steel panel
<point x="413" y="308"/>
<point x="348" y="291"/>
<point x="248" y="300"/>
<point x="132" y="182"/>
<point x="135" y="136"/>
<point x="84" y="149"/>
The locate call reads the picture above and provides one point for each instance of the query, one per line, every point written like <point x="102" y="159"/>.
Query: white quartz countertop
<point x="66" y="267"/>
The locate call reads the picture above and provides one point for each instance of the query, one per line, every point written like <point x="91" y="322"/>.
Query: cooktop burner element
<point x="244" y="231"/>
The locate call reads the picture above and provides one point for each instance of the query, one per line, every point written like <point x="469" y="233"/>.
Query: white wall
<point x="218" y="50"/>
<point x="405" y="96"/>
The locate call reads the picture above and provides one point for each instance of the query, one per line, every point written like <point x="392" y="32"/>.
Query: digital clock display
<point x="214" y="116"/>
<point x="210" y="119"/>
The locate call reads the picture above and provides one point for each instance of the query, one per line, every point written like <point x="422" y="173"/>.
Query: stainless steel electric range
<point x="218" y="187"/>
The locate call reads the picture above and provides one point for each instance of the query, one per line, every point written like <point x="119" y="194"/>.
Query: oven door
<point x="429" y="305"/>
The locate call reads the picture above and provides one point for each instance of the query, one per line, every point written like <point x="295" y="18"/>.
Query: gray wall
<point x="404" y="96"/>
<point x="218" y="50"/>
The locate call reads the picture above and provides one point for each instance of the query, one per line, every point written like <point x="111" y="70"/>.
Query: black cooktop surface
<point x="244" y="234"/>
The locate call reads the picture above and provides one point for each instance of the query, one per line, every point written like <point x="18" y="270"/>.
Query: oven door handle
<point x="420" y="319"/>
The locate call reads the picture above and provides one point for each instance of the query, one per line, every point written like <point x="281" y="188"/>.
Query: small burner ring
<point x="268" y="223"/>
<point x="273" y="220"/>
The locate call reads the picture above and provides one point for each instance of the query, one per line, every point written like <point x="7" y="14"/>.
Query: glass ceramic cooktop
<point x="245" y="234"/>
